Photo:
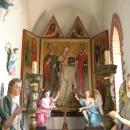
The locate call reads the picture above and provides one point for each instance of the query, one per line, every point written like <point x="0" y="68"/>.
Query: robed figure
<point x="81" y="70"/>
<point x="50" y="70"/>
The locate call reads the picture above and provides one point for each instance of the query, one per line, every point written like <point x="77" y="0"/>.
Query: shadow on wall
<point x="65" y="17"/>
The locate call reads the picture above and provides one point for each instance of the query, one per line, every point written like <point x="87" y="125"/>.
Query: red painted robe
<point x="43" y="111"/>
<point x="80" y="72"/>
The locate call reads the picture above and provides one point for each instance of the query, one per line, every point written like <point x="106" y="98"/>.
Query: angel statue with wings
<point x="90" y="110"/>
<point x="12" y="57"/>
<point x="5" y="7"/>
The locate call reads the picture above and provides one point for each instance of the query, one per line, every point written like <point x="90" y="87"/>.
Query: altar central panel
<point x="66" y="67"/>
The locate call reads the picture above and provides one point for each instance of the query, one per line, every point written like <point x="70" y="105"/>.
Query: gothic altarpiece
<point x="65" y="50"/>
<point x="66" y="63"/>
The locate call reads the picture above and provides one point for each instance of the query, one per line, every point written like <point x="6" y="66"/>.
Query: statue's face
<point x="87" y="93"/>
<point x="47" y="94"/>
<point x="128" y="88"/>
<point x="16" y="89"/>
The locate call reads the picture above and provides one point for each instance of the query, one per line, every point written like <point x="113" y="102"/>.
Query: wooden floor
<point x="61" y="129"/>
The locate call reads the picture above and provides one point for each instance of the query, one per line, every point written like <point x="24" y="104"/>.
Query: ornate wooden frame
<point x="30" y="52"/>
<point x="78" y="30"/>
<point x="99" y="44"/>
<point x="59" y="44"/>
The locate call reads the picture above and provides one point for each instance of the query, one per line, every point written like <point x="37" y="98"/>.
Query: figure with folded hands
<point x="9" y="107"/>
<point x="121" y="123"/>
<point x="122" y="119"/>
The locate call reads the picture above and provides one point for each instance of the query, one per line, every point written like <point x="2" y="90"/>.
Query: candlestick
<point x="107" y="57"/>
<point x="34" y="67"/>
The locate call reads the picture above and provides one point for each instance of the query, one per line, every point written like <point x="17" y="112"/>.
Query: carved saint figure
<point x="10" y="109"/>
<point x="11" y="59"/>
<point x="122" y="119"/>
<point x="5" y="7"/>
<point x="44" y="107"/>
<point x="89" y="110"/>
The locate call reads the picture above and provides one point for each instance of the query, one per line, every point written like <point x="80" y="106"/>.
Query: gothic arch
<point x="116" y="22"/>
<point x="116" y="37"/>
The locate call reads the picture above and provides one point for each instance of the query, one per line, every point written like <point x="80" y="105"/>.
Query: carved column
<point x="107" y="71"/>
<point x="34" y="82"/>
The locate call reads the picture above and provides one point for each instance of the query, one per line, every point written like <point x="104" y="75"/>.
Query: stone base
<point x="94" y="128"/>
<point x="41" y="128"/>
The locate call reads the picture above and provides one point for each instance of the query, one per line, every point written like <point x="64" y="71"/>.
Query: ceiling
<point x="65" y="12"/>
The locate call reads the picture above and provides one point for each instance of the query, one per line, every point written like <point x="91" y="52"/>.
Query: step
<point x="41" y="128"/>
<point x="94" y="128"/>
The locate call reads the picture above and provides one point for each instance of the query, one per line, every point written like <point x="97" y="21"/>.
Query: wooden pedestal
<point x="94" y="128"/>
<point x="41" y="128"/>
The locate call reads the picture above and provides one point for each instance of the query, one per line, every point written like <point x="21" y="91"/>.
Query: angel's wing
<point x="99" y="103"/>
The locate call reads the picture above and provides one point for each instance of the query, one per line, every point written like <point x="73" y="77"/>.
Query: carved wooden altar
<point x="40" y="49"/>
<point x="36" y="48"/>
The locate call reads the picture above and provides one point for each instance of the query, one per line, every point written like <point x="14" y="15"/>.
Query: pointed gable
<point x="53" y="30"/>
<point x="78" y="30"/>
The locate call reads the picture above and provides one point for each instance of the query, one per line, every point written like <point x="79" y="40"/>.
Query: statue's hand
<point x="76" y="96"/>
<point x="80" y="109"/>
<point x="114" y="115"/>
<point x="58" y="93"/>
<point x="17" y="110"/>
<point x="54" y="107"/>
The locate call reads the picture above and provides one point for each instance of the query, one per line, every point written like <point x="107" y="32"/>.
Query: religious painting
<point x="66" y="67"/>
<point x="53" y="30"/>
<point x="99" y="45"/>
<point x="30" y="52"/>
<point x="78" y="30"/>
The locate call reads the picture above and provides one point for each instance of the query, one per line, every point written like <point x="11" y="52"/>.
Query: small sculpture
<point x="11" y="59"/>
<point x="9" y="107"/>
<point x="44" y="107"/>
<point x="122" y="119"/>
<point x="5" y="7"/>
<point x="89" y="110"/>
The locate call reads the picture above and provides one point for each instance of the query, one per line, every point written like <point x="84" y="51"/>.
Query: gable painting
<point x="53" y="30"/>
<point x="78" y="30"/>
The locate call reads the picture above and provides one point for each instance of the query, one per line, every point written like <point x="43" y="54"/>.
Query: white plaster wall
<point x="11" y="31"/>
<point x="123" y="10"/>
<point x="65" y="11"/>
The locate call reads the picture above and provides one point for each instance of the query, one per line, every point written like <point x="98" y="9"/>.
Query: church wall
<point x="66" y="12"/>
<point x="11" y="31"/>
<point x="122" y="9"/>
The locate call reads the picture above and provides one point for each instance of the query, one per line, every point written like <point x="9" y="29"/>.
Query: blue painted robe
<point x="93" y="114"/>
